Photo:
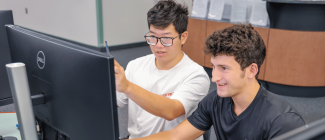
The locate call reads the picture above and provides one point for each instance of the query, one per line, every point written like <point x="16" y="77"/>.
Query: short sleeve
<point x="121" y="98"/>
<point x="201" y="118"/>
<point x="285" y="123"/>
<point x="192" y="91"/>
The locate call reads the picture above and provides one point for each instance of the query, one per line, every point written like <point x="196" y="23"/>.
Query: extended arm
<point x="183" y="131"/>
<point x="161" y="106"/>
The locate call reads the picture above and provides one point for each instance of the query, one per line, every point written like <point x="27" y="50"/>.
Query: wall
<point x="73" y="19"/>
<point x="125" y="21"/>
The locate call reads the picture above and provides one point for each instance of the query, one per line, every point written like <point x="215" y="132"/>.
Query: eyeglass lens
<point x="166" y="41"/>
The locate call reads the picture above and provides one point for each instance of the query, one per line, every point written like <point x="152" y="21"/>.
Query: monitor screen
<point x="78" y="84"/>
<point x="5" y="93"/>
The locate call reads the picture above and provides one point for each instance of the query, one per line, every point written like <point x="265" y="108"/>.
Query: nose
<point x="216" y="76"/>
<point x="159" y="45"/>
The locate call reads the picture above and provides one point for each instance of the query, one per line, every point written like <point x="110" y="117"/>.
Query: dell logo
<point x="40" y="59"/>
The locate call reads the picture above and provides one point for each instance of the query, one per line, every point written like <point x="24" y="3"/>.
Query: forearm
<point x="183" y="131"/>
<point x="166" y="135"/>
<point x="155" y="104"/>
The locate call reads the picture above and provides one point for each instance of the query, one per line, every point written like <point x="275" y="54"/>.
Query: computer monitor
<point x="312" y="131"/>
<point x="5" y="93"/>
<point x="78" y="84"/>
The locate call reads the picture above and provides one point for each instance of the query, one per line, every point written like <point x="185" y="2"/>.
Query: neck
<point x="244" y="99"/>
<point x="166" y="65"/>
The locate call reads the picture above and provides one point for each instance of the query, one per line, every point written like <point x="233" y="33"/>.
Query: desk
<point x="8" y="127"/>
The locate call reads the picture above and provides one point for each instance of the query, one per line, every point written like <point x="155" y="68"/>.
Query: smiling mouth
<point x="160" y="52"/>
<point x="222" y="84"/>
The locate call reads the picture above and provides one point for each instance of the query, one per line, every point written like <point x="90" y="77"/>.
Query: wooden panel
<point x="264" y="33"/>
<point x="296" y="58"/>
<point x="213" y="25"/>
<point x="193" y="47"/>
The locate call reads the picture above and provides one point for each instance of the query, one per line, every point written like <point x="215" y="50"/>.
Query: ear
<point x="253" y="69"/>
<point x="184" y="37"/>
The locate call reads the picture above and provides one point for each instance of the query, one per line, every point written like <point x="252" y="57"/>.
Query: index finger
<point x="116" y="63"/>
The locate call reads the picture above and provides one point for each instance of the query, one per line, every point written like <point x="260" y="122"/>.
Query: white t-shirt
<point x="187" y="82"/>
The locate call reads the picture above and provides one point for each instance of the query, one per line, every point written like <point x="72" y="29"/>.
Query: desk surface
<point x="8" y="127"/>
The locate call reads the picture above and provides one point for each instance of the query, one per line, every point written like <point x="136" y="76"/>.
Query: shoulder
<point x="211" y="98"/>
<point x="278" y="104"/>
<point x="280" y="109"/>
<point x="280" y="115"/>
<point x="208" y="103"/>
<point x="188" y="66"/>
<point x="190" y="63"/>
<point x="284" y="123"/>
<point x="212" y="102"/>
<point x="289" y="118"/>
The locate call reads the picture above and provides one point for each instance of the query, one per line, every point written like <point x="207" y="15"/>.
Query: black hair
<point x="167" y="12"/>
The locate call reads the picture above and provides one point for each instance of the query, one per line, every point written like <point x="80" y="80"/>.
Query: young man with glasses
<point x="241" y="108"/>
<point x="161" y="89"/>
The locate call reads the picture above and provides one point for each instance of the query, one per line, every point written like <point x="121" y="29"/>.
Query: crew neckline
<point x="167" y="71"/>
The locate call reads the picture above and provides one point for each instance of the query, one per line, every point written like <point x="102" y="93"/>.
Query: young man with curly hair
<point x="161" y="89"/>
<point x="240" y="108"/>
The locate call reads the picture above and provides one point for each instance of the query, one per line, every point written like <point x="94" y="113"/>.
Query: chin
<point x="223" y="94"/>
<point x="160" y="59"/>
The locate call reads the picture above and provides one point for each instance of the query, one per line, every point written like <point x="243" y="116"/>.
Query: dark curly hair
<point x="240" y="41"/>
<point x="166" y="12"/>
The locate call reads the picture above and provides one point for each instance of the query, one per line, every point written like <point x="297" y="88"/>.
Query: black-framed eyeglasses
<point x="166" y="41"/>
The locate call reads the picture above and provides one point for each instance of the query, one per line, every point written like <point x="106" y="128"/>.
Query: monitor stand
<point x="19" y="86"/>
<point x="8" y="138"/>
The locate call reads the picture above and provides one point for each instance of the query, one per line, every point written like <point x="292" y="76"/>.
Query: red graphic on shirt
<point x="168" y="94"/>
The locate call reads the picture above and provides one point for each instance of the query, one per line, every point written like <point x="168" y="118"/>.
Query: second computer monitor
<point x="5" y="93"/>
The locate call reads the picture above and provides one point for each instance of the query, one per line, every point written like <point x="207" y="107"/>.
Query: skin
<point x="173" y="54"/>
<point x="157" y="105"/>
<point x="240" y="85"/>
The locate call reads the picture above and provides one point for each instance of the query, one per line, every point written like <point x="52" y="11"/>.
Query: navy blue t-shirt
<point x="266" y="117"/>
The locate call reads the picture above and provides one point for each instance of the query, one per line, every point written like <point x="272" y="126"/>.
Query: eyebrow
<point x="220" y="65"/>
<point x="163" y="33"/>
